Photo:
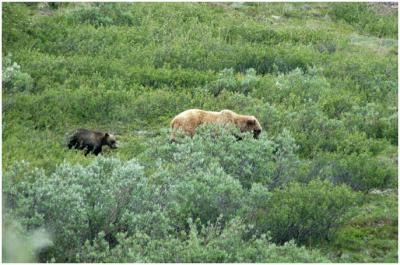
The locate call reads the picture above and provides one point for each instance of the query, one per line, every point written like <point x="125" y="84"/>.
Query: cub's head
<point x="253" y="125"/>
<point x="110" y="140"/>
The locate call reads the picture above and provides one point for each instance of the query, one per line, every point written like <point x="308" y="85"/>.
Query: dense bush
<point x="364" y="18"/>
<point x="74" y="204"/>
<point x="360" y="171"/>
<point x="100" y="15"/>
<point x="189" y="183"/>
<point x="297" y="87"/>
<point x="211" y="243"/>
<point x="15" y="23"/>
<point x="13" y="79"/>
<point x="203" y="194"/>
<point x="271" y="163"/>
<point x="372" y="120"/>
<point x="307" y="213"/>
<point x="111" y="205"/>
<point x="226" y="80"/>
<point x="109" y="197"/>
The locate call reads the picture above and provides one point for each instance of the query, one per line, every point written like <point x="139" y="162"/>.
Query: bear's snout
<point x="256" y="133"/>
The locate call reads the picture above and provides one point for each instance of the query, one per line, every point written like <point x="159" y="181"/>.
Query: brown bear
<point x="190" y="119"/>
<point x="92" y="141"/>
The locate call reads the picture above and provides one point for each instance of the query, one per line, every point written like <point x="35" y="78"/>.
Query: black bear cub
<point x="92" y="141"/>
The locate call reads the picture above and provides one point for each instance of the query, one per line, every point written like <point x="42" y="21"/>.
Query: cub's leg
<point x="88" y="149"/>
<point x="97" y="150"/>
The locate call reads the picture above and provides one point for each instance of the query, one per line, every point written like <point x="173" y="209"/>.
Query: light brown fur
<point x="189" y="120"/>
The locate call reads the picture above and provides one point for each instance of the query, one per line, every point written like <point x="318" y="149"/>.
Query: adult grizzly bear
<point x="190" y="119"/>
<point x="92" y="141"/>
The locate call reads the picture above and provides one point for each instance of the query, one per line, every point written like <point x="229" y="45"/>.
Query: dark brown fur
<point x="92" y="141"/>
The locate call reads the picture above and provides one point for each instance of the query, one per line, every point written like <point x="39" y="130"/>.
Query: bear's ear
<point x="251" y="122"/>
<point x="107" y="135"/>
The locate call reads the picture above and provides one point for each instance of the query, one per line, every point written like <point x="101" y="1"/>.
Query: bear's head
<point x="252" y="125"/>
<point x="110" y="140"/>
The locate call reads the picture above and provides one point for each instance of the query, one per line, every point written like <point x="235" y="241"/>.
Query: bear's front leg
<point x="97" y="150"/>
<point x="88" y="150"/>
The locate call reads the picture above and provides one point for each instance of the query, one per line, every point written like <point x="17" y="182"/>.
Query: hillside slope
<point x="321" y="78"/>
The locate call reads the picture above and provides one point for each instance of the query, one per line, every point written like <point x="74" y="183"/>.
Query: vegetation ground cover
<point x="319" y="185"/>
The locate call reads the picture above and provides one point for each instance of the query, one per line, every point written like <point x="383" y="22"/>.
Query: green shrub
<point x="249" y="160"/>
<point x="206" y="192"/>
<point x="361" y="171"/>
<point x="364" y="238"/>
<point x="13" y="79"/>
<point x="250" y="31"/>
<point x="373" y="119"/>
<point x="74" y="204"/>
<point x="373" y="78"/>
<point x="255" y="209"/>
<point x="364" y="18"/>
<point x="109" y="197"/>
<point x="15" y="23"/>
<point x="308" y="213"/>
<point x="211" y="243"/>
<point x="249" y="81"/>
<point x="297" y="87"/>
<point x="227" y="81"/>
<point x="314" y="131"/>
<point x="336" y="103"/>
<point x="71" y="108"/>
<point x="100" y="15"/>
<point x="358" y="142"/>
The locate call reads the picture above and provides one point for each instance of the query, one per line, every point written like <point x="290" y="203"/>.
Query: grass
<point x="371" y="235"/>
